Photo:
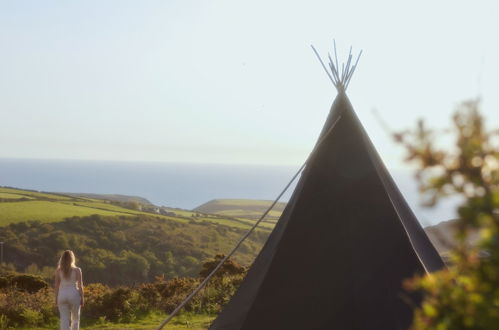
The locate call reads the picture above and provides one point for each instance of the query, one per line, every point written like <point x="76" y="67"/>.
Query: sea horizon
<point x="181" y="184"/>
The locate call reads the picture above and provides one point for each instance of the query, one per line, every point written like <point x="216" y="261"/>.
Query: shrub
<point x="94" y="299"/>
<point x="24" y="282"/>
<point x="29" y="283"/>
<point x="24" y="309"/>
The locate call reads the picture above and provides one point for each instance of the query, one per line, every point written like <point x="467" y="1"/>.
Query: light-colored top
<point x="70" y="282"/>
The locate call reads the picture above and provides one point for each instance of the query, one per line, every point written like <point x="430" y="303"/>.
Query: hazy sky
<point x="230" y="81"/>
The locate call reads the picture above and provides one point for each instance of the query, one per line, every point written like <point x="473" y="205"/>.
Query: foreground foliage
<point x="105" y="306"/>
<point x="466" y="294"/>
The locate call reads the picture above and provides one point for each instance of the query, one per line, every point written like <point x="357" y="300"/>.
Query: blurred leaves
<point x="466" y="294"/>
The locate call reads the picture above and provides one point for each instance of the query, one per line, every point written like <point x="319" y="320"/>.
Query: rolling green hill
<point x="241" y="208"/>
<point x="139" y="241"/>
<point x="112" y="197"/>
<point x="138" y="248"/>
<point x="19" y="194"/>
<point x="36" y="226"/>
<point x="46" y="211"/>
<point x="17" y="205"/>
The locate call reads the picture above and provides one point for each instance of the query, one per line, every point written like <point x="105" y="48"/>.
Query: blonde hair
<point x="66" y="262"/>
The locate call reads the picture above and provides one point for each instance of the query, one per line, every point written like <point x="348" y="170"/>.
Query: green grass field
<point x="243" y="213"/>
<point x="181" y="322"/>
<point x="102" y="205"/>
<point x="45" y="211"/>
<point x="34" y="194"/>
<point x="238" y="223"/>
<point x="48" y="207"/>
<point x="23" y="205"/>
<point x="241" y="208"/>
<point x="182" y="213"/>
<point x="4" y="195"/>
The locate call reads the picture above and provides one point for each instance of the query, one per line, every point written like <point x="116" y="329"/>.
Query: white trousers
<point x="68" y="302"/>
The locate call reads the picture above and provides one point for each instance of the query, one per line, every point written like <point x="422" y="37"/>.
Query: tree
<point x="466" y="294"/>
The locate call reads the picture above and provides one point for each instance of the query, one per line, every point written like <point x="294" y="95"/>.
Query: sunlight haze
<point x="231" y="81"/>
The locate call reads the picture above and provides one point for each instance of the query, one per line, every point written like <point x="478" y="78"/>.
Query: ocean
<point x="181" y="185"/>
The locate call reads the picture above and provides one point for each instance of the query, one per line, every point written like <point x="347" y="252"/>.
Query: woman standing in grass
<point x="68" y="291"/>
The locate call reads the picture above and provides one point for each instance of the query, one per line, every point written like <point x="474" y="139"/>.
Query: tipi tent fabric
<point x="342" y="248"/>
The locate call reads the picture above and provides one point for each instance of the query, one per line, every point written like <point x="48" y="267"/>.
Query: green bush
<point x="24" y="309"/>
<point x="119" y="305"/>
<point x="94" y="299"/>
<point x="31" y="317"/>
<point x="29" y="283"/>
<point x="23" y="282"/>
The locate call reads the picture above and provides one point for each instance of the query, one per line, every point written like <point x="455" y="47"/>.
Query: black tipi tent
<point x="343" y="246"/>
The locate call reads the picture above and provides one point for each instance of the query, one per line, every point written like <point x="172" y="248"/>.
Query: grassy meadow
<point x="17" y="205"/>
<point x="6" y="195"/>
<point x="243" y="209"/>
<point x="185" y="321"/>
<point x="33" y="194"/>
<point x="45" y="211"/>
